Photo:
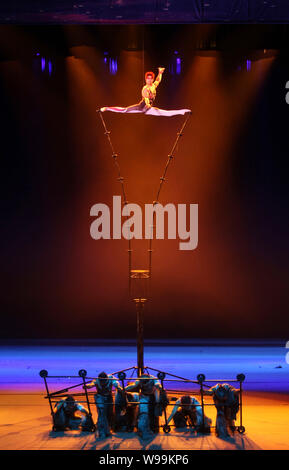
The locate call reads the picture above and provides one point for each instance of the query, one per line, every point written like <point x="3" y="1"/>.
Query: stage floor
<point x="25" y="421"/>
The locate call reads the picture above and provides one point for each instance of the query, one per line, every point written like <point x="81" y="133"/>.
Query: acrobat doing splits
<point x="149" y="92"/>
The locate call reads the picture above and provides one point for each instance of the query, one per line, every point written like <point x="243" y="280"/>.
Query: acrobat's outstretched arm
<point x="159" y="77"/>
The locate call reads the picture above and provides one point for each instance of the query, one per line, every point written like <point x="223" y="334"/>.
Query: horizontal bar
<point x="222" y="380"/>
<point x="80" y="394"/>
<point x="140" y="403"/>
<point x="127" y="378"/>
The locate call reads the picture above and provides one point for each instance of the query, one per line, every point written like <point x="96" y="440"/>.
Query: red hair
<point x="149" y="74"/>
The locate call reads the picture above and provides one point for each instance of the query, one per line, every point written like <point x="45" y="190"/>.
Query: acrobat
<point x="149" y="92"/>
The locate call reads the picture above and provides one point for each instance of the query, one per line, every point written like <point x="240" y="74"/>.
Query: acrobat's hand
<point x="161" y="69"/>
<point x="147" y="103"/>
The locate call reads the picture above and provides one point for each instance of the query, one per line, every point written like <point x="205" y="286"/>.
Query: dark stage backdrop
<point x="143" y="11"/>
<point x="56" y="281"/>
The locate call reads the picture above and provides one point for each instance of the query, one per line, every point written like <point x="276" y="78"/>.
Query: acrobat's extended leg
<point x="135" y="108"/>
<point x="141" y="108"/>
<point x="153" y="111"/>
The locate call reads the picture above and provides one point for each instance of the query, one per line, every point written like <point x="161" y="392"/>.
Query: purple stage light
<point x="178" y="65"/>
<point x="42" y="64"/>
<point x="113" y="66"/>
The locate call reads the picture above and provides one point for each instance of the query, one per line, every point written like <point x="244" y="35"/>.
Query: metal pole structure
<point x="161" y="377"/>
<point x="120" y="179"/>
<point x="241" y="406"/>
<point x="82" y="373"/>
<point x="162" y="180"/>
<point x="201" y="379"/>
<point x="241" y="378"/>
<point x="43" y="373"/>
<point x="146" y="274"/>
<point x="139" y="303"/>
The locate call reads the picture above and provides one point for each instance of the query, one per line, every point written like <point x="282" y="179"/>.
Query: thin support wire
<point x="121" y="180"/>
<point x="162" y="180"/>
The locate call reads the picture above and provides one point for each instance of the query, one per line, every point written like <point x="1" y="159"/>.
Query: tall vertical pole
<point x="43" y="374"/>
<point x="201" y="379"/>
<point x="140" y="347"/>
<point x="241" y="405"/>
<point x="92" y="425"/>
<point x="241" y="378"/>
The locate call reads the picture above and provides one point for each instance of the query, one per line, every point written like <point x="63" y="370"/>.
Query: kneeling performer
<point x="104" y="402"/>
<point x="188" y="411"/>
<point x="150" y="406"/>
<point x="226" y="399"/>
<point x="64" y="415"/>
